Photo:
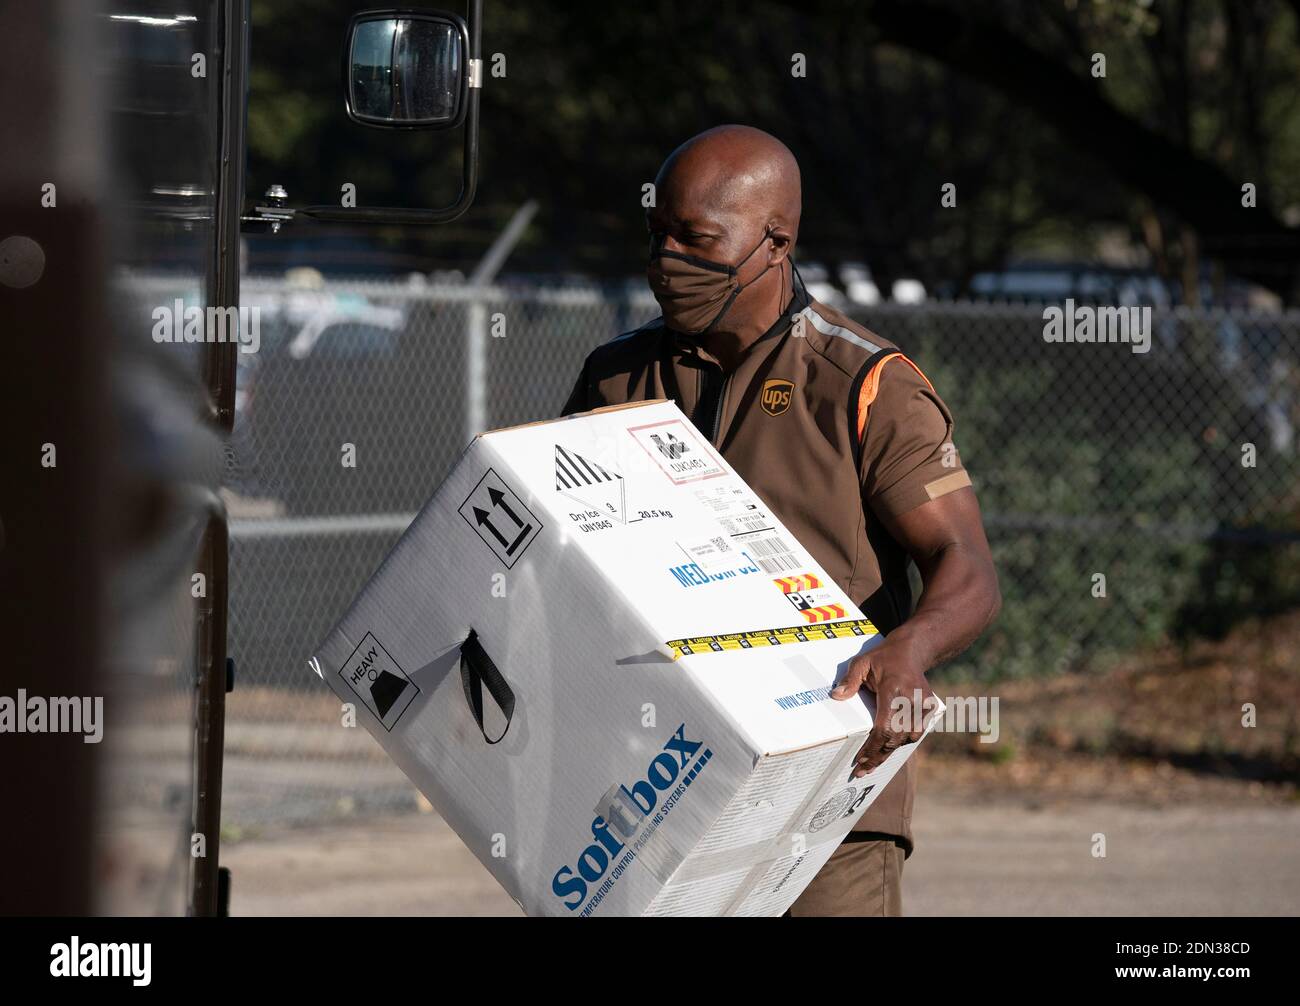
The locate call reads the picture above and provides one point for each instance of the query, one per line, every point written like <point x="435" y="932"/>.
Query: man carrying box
<point x="838" y="432"/>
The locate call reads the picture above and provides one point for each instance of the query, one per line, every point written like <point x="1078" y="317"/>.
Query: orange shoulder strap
<point x="871" y="387"/>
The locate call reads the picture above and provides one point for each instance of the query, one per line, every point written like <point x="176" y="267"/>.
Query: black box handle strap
<point x="476" y="670"/>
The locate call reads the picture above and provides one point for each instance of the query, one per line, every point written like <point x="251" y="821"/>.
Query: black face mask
<point x="695" y="293"/>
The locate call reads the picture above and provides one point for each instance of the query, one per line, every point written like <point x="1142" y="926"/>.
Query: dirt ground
<point x="990" y="856"/>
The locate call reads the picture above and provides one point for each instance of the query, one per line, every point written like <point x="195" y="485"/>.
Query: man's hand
<point x="896" y="677"/>
<point x="945" y="538"/>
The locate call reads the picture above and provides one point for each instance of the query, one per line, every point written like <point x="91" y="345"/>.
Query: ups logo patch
<point x="775" y="397"/>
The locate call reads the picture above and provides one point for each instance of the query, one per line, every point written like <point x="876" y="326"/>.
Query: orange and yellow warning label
<point x="798" y="584"/>
<point x="823" y="613"/>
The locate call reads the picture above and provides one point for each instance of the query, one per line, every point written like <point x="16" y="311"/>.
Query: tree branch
<point x="1254" y="242"/>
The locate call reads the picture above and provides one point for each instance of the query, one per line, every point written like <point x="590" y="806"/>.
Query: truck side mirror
<point x="403" y="68"/>
<point x="406" y="69"/>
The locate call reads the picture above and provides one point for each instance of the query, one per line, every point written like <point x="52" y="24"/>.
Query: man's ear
<point x="782" y="242"/>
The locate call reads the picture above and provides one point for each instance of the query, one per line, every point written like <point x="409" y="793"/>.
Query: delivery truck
<point x="123" y="189"/>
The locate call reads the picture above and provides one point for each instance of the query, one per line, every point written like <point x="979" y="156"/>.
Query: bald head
<point x="736" y="170"/>
<point x="729" y="197"/>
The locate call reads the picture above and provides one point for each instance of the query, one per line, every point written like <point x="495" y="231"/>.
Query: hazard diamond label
<point x="591" y="484"/>
<point x="678" y="450"/>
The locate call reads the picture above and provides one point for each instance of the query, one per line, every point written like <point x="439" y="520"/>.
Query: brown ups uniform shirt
<point x="788" y="420"/>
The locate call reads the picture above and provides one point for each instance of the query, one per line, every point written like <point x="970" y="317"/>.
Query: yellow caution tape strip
<point x="771" y="637"/>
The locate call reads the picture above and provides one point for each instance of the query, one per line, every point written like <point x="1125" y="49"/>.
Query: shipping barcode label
<point x="738" y="511"/>
<point x="773" y="555"/>
<point x="746" y="524"/>
<point x="709" y="552"/>
<point x="778" y="564"/>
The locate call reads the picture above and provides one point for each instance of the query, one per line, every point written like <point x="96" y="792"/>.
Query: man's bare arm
<point x="945" y="538"/>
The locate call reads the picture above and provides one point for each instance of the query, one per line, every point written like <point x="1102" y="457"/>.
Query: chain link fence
<point x="1172" y="474"/>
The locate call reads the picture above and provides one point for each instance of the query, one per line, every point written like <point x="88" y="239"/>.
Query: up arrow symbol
<point x="482" y="517"/>
<point x="499" y="500"/>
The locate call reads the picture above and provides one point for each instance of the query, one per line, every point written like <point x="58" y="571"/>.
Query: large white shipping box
<point x="573" y="652"/>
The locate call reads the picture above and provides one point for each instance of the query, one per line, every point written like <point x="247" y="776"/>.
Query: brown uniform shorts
<point x="863" y="877"/>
